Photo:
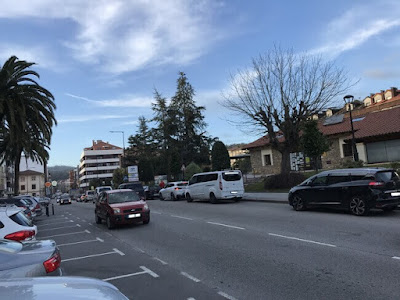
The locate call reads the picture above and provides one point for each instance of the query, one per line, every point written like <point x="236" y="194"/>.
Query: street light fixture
<point x="348" y="99"/>
<point x="123" y="140"/>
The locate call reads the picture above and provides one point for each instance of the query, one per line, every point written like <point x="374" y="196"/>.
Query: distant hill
<point x="59" y="172"/>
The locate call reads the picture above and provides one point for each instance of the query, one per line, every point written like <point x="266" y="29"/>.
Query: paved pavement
<point x="243" y="250"/>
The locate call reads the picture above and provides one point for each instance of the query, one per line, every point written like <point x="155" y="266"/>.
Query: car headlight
<point x="116" y="210"/>
<point x="146" y="207"/>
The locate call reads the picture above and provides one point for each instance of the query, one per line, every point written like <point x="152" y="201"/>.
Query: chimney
<point x="94" y="142"/>
<point x="98" y="141"/>
<point x="394" y="91"/>
<point x="383" y="94"/>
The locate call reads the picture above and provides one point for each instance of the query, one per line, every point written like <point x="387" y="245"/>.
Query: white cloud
<point x="357" y="26"/>
<point x="121" y="35"/>
<point x="127" y="101"/>
<point x="86" y="118"/>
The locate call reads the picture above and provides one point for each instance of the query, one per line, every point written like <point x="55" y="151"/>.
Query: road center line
<point x="77" y="225"/>
<point x="62" y="234"/>
<point x="119" y="252"/>
<point x="225" y="295"/>
<point x="301" y="240"/>
<point x="230" y="226"/>
<point x="190" y="277"/>
<point x="396" y="257"/>
<point x="88" y="256"/>
<point x="185" y="218"/>
<point x="161" y="261"/>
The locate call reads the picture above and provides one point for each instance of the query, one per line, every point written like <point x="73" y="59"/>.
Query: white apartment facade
<point x="31" y="183"/>
<point x="98" y="162"/>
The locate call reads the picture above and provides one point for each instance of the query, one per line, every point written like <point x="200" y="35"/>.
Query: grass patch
<point x="258" y="187"/>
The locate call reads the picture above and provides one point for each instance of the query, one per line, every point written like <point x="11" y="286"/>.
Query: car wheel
<point x="173" y="198"/>
<point x="213" y="199"/>
<point x="358" y="206"/>
<point x="110" y="224"/>
<point x="188" y="198"/>
<point x="298" y="203"/>
<point x="98" y="220"/>
<point x="146" y="221"/>
<point x="161" y="197"/>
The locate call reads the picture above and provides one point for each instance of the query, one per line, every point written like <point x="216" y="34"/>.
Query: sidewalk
<point x="266" y="197"/>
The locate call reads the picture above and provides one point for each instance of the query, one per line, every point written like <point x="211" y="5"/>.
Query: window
<point x="321" y="180"/>
<point x="210" y="177"/>
<point x="347" y="150"/>
<point x="267" y="160"/>
<point x="231" y="176"/>
<point x="338" y="178"/>
<point x="33" y="186"/>
<point x="23" y="187"/>
<point x="22" y="178"/>
<point x="33" y="178"/>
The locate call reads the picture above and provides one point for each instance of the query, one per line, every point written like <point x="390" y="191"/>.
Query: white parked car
<point x="174" y="190"/>
<point x="214" y="186"/>
<point x="14" y="225"/>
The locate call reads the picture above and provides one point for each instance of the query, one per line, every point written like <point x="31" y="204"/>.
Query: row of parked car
<point x="27" y="263"/>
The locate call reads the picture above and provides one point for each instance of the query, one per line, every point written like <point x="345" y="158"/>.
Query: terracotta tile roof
<point x="368" y="125"/>
<point x="100" y="145"/>
<point x="30" y="172"/>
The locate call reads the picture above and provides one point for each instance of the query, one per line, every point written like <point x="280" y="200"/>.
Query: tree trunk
<point x="285" y="162"/>
<point x="16" y="174"/>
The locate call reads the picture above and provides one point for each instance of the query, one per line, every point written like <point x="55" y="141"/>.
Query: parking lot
<point x="89" y="249"/>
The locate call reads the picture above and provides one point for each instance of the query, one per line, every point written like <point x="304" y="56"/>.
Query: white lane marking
<point x="119" y="252"/>
<point x="396" y="257"/>
<point x="190" y="277"/>
<point x="140" y="250"/>
<point x="301" y="240"/>
<point x="87" y="231"/>
<point x="230" y="226"/>
<point x="191" y="298"/>
<point x="155" y="212"/>
<point x="62" y="234"/>
<point x="88" y="256"/>
<point x="78" y="218"/>
<point x="78" y="225"/>
<point x="109" y="233"/>
<point x="100" y="240"/>
<point x="145" y="271"/>
<point x="90" y="224"/>
<point x="175" y="216"/>
<point x="161" y="261"/>
<point x="41" y="230"/>
<point x="225" y="295"/>
<point x="149" y="271"/>
<point x="76" y="243"/>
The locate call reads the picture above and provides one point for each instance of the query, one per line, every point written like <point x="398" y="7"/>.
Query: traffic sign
<point x="54" y="183"/>
<point x="47" y="184"/>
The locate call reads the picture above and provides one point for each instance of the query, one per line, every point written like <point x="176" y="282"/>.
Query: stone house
<point x="376" y="122"/>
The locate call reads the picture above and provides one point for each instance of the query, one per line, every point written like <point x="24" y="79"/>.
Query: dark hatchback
<point x="135" y="186"/>
<point x="121" y="207"/>
<point x="356" y="190"/>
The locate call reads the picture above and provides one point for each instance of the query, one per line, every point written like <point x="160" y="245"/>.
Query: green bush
<point x="395" y="165"/>
<point x="283" y="181"/>
<point x="192" y="169"/>
<point x="352" y="164"/>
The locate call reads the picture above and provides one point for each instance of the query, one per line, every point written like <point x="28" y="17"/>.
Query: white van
<point x="214" y="186"/>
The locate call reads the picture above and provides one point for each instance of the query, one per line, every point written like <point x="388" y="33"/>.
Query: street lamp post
<point x="349" y="100"/>
<point x="123" y="141"/>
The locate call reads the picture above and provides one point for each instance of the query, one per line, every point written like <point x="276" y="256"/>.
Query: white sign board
<point x="133" y="173"/>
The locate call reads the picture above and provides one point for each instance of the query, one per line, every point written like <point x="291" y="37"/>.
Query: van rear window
<point x="231" y="176"/>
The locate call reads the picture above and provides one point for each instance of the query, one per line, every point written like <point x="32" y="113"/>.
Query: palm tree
<point x="26" y="115"/>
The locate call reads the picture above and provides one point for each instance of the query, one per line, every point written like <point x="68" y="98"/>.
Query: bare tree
<point x="280" y="91"/>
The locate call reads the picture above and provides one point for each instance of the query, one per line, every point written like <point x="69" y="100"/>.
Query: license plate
<point x="234" y="192"/>
<point x="395" y="194"/>
<point x="134" y="216"/>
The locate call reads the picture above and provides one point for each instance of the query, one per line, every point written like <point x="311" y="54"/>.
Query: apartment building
<point x="31" y="183"/>
<point x="98" y="162"/>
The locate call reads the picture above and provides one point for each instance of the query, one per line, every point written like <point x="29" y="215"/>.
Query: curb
<point x="261" y="200"/>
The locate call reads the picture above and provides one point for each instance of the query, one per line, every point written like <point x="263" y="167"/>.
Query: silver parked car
<point x="44" y="288"/>
<point x="28" y="259"/>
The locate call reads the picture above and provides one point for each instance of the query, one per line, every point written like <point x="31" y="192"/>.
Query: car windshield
<point x="128" y="196"/>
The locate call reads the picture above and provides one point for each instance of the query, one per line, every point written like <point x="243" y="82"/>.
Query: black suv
<point x="135" y="186"/>
<point x="356" y="190"/>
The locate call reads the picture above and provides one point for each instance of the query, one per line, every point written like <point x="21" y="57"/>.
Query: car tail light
<point x="376" y="183"/>
<point x="53" y="263"/>
<point x="37" y="206"/>
<point x="20" y="235"/>
<point x="177" y="188"/>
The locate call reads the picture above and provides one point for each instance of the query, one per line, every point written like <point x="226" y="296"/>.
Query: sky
<point x="102" y="59"/>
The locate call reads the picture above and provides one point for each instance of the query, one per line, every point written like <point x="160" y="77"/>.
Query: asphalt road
<point x="239" y="250"/>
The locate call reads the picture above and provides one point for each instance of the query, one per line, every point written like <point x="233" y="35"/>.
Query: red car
<point x="121" y="207"/>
